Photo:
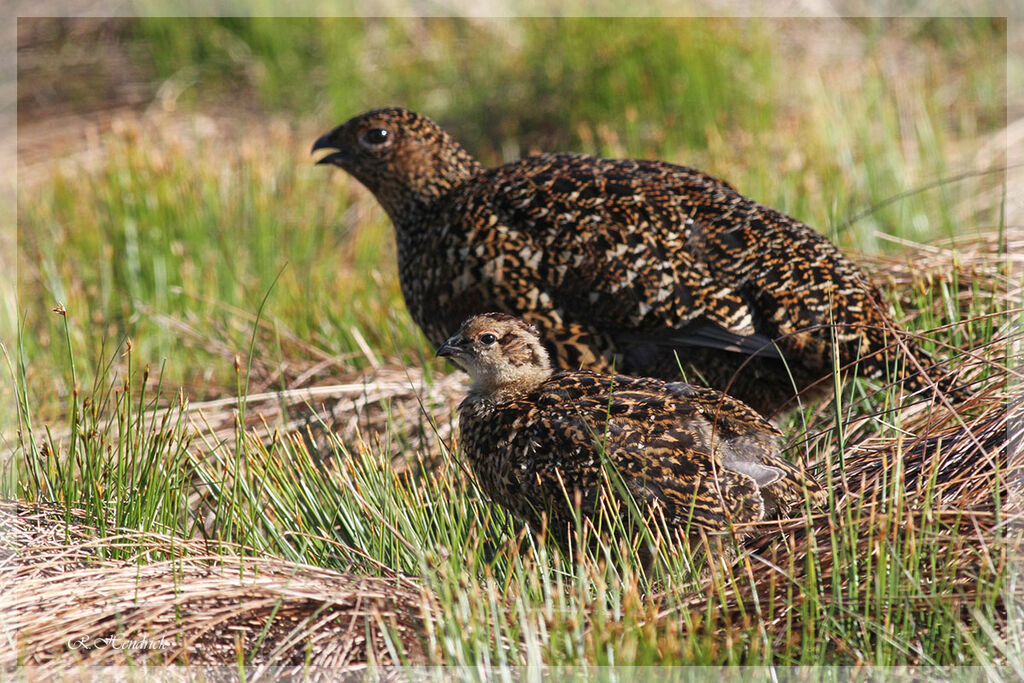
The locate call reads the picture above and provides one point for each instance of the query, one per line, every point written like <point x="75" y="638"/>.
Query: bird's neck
<point x="435" y="173"/>
<point x="508" y="387"/>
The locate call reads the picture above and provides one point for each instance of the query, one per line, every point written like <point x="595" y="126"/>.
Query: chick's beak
<point x="450" y="348"/>
<point x="326" y="141"/>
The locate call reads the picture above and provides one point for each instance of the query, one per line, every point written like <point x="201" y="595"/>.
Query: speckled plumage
<point x="622" y="264"/>
<point x="534" y="439"/>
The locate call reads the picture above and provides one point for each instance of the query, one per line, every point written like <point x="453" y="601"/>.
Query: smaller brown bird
<point x="538" y="439"/>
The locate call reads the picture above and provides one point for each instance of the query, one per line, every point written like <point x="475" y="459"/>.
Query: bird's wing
<point x="735" y="417"/>
<point x="605" y="243"/>
<point x="655" y="445"/>
<point x="746" y="443"/>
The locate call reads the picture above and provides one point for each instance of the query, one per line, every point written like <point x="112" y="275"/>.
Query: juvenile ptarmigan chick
<point x="534" y="439"/>
<point x="623" y="264"/>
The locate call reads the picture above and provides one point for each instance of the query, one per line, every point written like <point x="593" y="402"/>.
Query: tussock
<point x="770" y="582"/>
<point x="970" y="467"/>
<point x="954" y="488"/>
<point x="192" y="605"/>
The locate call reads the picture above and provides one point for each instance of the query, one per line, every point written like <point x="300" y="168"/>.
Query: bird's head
<point x="402" y="157"/>
<point x="502" y="353"/>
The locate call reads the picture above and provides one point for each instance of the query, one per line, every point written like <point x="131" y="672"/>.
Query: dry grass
<point x="944" y="503"/>
<point x="966" y="464"/>
<point x="203" y="608"/>
<point x="766" y="585"/>
<point x="362" y="410"/>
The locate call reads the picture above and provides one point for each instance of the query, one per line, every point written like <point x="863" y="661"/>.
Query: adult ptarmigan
<point x="641" y="267"/>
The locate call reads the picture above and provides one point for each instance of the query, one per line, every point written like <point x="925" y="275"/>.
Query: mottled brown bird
<point x="641" y="267"/>
<point x="537" y="440"/>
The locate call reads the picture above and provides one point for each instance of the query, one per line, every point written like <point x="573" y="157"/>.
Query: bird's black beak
<point x="326" y="141"/>
<point x="449" y="348"/>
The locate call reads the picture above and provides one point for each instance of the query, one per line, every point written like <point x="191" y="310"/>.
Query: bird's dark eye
<point x="376" y="137"/>
<point x="487" y="339"/>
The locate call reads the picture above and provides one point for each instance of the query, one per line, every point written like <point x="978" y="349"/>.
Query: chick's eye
<point x="375" y="137"/>
<point x="487" y="339"/>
